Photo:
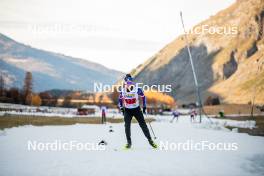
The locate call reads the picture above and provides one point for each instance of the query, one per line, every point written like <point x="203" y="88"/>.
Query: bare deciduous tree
<point x="27" y="89"/>
<point x="2" y="85"/>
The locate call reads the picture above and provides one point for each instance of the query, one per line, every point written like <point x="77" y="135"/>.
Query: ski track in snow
<point x="141" y="160"/>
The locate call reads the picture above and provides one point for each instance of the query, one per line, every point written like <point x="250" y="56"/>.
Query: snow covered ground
<point x="245" y="157"/>
<point x="45" y="111"/>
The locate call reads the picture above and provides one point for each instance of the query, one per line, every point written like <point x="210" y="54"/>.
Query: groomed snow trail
<point x="141" y="160"/>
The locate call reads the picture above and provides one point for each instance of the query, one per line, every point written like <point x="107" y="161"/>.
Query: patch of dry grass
<point x="15" y="121"/>
<point x="230" y="109"/>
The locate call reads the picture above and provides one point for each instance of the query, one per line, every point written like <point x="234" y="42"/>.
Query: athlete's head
<point x="129" y="85"/>
<point x="128" y="77"/>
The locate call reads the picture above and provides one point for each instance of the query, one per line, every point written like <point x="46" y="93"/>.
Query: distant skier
<point x="129" y="106"/>
<point x="103" y="111"/>
<point x="193" y="114"/>
<point x="176" y="115"/>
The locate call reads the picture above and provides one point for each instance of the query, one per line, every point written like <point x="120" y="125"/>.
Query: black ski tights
<point x="137" y="113"/>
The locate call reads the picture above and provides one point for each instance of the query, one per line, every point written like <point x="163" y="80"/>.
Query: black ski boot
<point x="153" y="144"/>
<point x="128" y="146"/>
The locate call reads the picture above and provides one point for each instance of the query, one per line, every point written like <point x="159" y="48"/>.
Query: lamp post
<point x="254" y="90"/>
<point x="198" y="95"/>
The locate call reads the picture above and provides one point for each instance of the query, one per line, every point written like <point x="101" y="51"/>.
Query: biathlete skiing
<point x="193" y="114"/>
<point x="130" y="106"/>
<point x="176" y="115"/>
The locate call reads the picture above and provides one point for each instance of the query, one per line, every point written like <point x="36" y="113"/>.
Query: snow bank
<point x="221" y="124"/>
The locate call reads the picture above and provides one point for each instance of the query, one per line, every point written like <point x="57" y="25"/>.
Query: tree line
<point x="15" y="95"/>
<point x="64" y="98"/>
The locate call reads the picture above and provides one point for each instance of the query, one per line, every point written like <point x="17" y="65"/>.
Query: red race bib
<point x="130" y="101"/>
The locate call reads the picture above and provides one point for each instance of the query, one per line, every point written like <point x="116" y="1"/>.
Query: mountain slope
<point x="50" y="70"/>
<point x="228" y="66"/>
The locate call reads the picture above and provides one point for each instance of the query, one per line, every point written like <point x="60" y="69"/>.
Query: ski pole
<point x="152" y="131"/>
<point x="151" y="128"/>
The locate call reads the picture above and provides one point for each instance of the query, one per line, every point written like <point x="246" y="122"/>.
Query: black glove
<point x="144" y="110"/>
<point x="122" y="109"/>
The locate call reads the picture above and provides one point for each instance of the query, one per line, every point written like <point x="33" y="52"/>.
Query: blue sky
<point x="119" y="34"/>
